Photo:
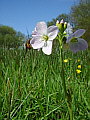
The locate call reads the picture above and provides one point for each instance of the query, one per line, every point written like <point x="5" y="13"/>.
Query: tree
<point x="65" y="17"/>
<point x="9" y="38"/>
<point x="80" y="15"/>
<point x="7" y="30"/>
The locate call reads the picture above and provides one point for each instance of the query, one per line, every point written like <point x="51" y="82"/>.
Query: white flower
<point x="42" y="37"/>
<point x="75" y="42"/>
<point x="69" y="29"/>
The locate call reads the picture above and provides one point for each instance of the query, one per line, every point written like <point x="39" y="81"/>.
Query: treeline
<point x="10" y="38"/>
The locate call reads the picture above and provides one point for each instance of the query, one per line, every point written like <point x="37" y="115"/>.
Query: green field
<point x="31" y="86"/>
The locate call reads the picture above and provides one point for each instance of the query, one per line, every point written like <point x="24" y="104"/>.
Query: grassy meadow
<point x="31" y="86"/>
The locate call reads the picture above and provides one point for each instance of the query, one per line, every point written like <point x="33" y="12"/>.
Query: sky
<point x="23" y="15"/>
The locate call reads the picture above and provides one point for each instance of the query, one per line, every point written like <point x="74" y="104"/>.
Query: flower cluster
<point x="43" y="36"/>
<point x="73" y="39"/>
<point x="78" y="70"/>
<point x="61" y="25"/>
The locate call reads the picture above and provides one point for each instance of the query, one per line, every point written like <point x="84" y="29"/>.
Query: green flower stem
<point x="63" y="77"/>
<point x="61" y="63"/>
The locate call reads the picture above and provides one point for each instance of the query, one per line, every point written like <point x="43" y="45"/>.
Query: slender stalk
<point x="63" y="77"/>
<point x="61" y="64"/>
<point x="9" y="98"/>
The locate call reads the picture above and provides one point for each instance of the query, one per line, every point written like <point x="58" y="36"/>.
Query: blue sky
<point x="22" y="14"/>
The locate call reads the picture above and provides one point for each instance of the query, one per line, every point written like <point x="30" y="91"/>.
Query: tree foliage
<point x="80" y="15"/>
<point x="65" y="17"/>
<point x="9" y="38"/>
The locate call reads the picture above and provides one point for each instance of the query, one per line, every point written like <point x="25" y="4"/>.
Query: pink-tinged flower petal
<point x="34" y="33"/>
<point x="69" y="29"/>
<point x="41" y="28"/>
<point x="52" y="32"/>
<point x="57" y="22"/>
<point x="76" y="34"/>
<point x="36" y="42"/>
<point x="79" y="33"/>
<point x="62" y="21"/>
<point x="69" y="38"/>
<point x="80" y="45"/>
<point x="47" y="49"/>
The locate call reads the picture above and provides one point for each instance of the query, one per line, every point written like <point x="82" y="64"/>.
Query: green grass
<point x="31" y="86"/>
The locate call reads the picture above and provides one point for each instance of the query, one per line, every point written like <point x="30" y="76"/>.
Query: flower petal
<point x="76" y="34"/>
<point x="47" y="49"/>
<point x="69" y="38"/>
<point x="52" y="32"/>
<point x="41" y="28"/>
<point x="69" y="29"/>
<point x="36" y="42"/>
<point x="79" y="33"/>
<point x="34" y="33"/>
<point x="80" y="45"/>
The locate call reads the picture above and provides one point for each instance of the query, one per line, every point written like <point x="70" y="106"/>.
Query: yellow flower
<point x="79" y="66"/>
<point x="78" y="71"/>
<point x="66" y="60"/>
<point x="78" y="60"/>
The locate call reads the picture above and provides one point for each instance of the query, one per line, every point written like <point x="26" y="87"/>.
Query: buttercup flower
<point x="66" y="60"/>
<point x="42" y="37"/>
<point x="79" y="66"/>
<point x="78" y="71"/>
<point x="76" y="44"/>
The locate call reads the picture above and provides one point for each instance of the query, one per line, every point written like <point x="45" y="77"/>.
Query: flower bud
<point x="62" y="21"/>
<point x="57" y="24"/>
<point x="61" y="25"/>
<point x="65" y="25"/>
